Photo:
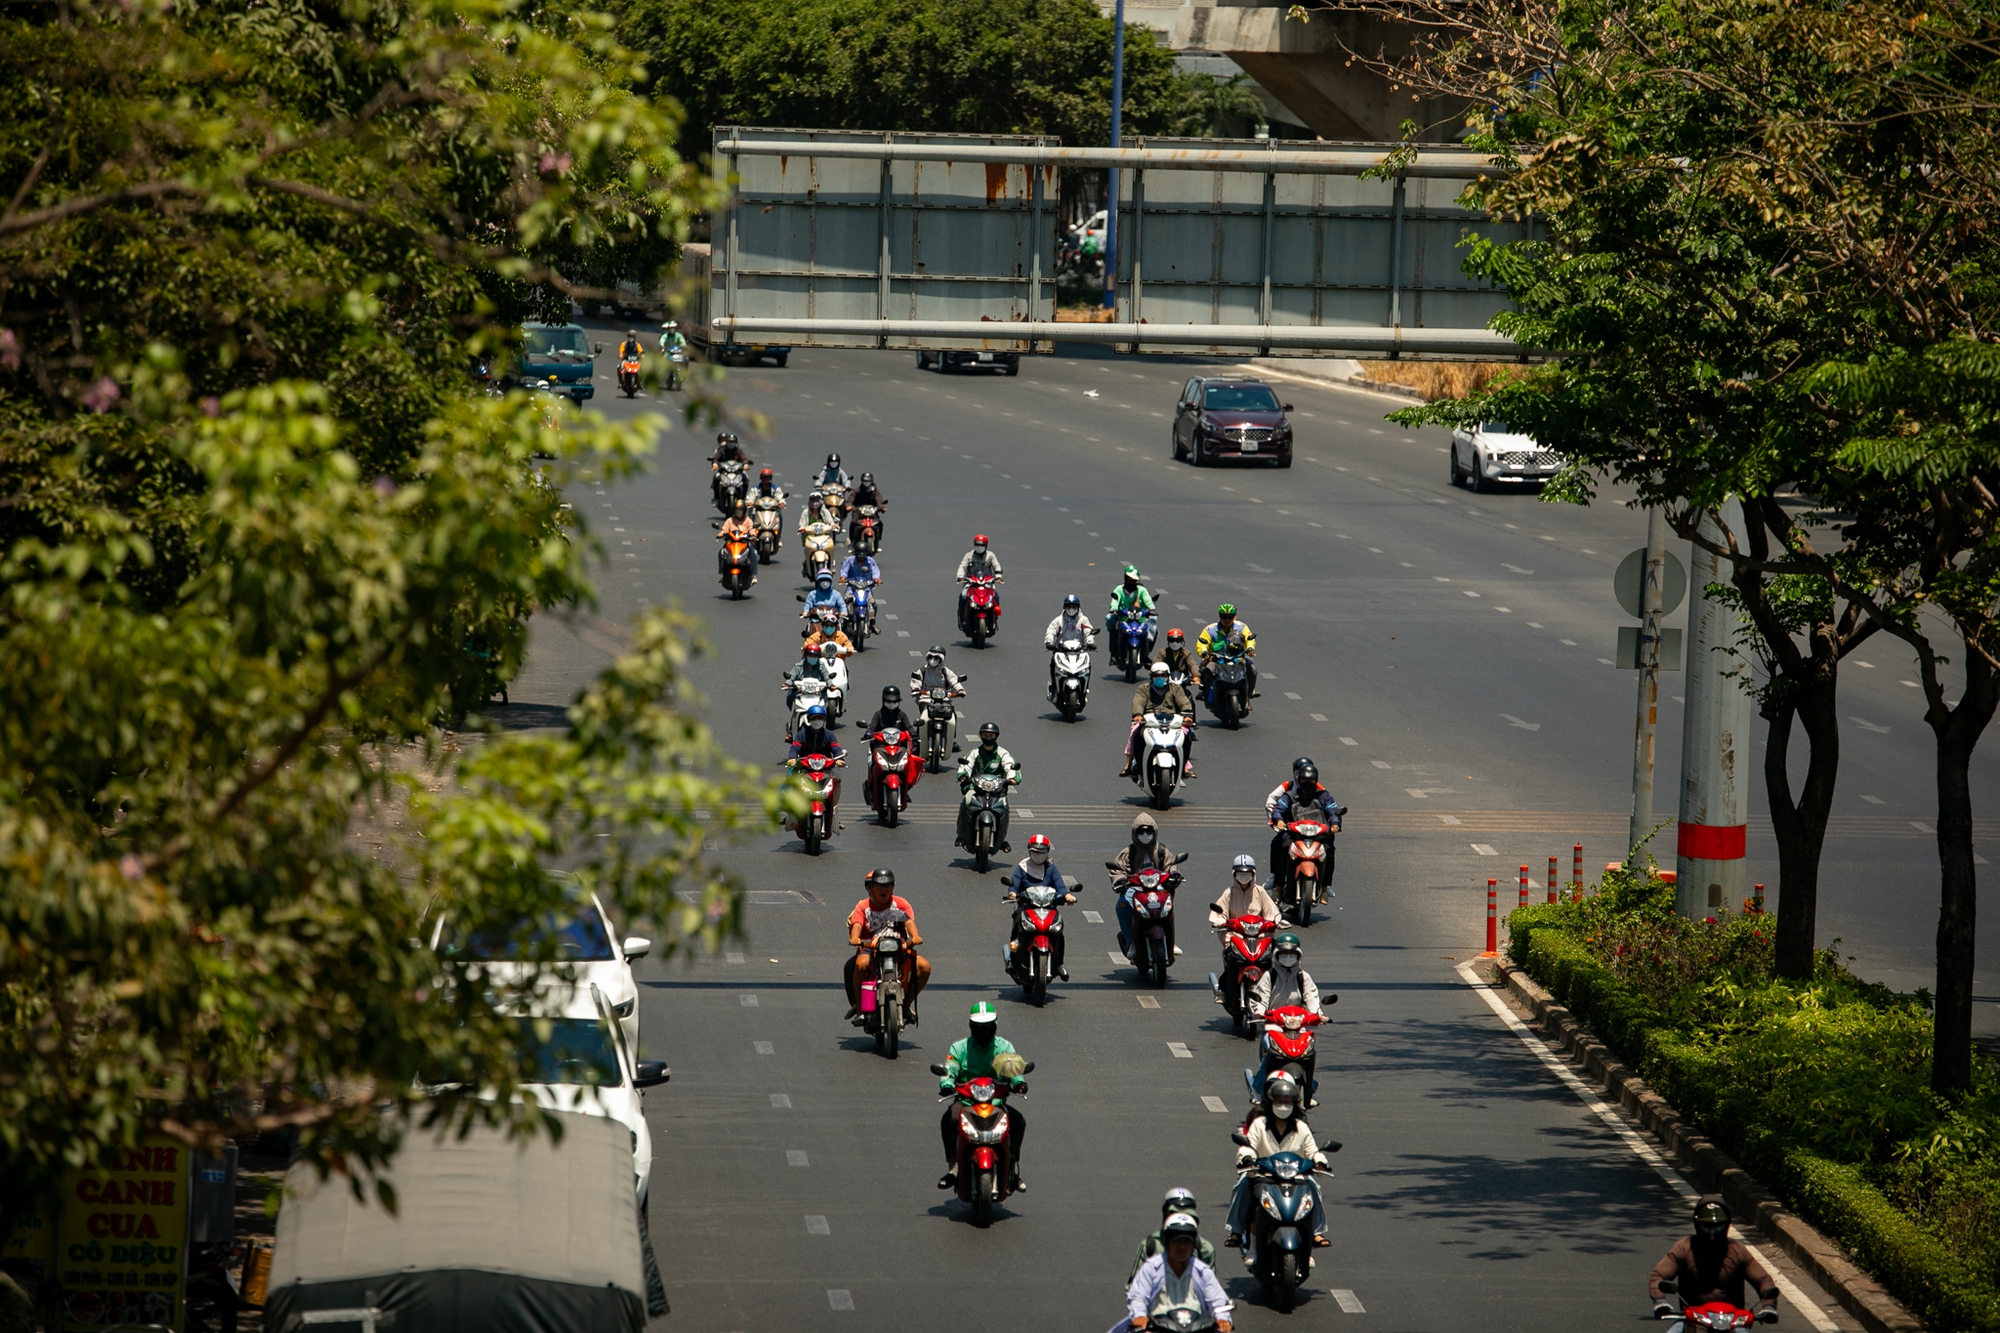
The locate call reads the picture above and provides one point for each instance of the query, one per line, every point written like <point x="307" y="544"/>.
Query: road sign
<point x="1633" y="568"/>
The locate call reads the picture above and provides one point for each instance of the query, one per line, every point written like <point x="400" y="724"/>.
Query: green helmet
<point x="984" y="1012"/>
<point x="1286" y="940"/>
<point x="1226" y="609"/>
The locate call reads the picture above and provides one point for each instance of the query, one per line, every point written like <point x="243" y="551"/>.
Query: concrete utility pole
<point x="1714" y="799"/>
<point x="1652" y="601"/>
<point x="1111" y="174"/>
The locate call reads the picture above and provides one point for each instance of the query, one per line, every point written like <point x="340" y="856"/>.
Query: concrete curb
<point x="1307" y="371"/>
<point x="1711" y="1169"/>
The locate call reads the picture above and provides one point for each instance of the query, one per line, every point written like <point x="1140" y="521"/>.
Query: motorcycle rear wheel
<point x="860" y="637"/>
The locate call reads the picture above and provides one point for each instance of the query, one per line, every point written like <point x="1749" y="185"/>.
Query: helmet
<point x="739" y="510"/>
<point x="1286" y="940"/>
<point x="833" y="460"/>
<point x="868" y="479"/>
<point x="1306" y="774"/>
<point x="824" y="576"/>
<point x="1300" y="765"/>
<point x="1243" y="863"/>
<point x="1175" y="636"/>
<point x="1039" y="843"/>
<point x="1281" y="1086"/>
<point x="1711" y="1218"/>
<point x="725" y="437"/>
<point x="633" y="334"/>
<point x="1287" y="943"/>
<point x="1180" y="1224"/>
<point x="817" y="713"/>
<point x="1132" y="573"/>
<point x="1072" y="602"/>
<point x="989" y="731"/>
<point x="936" y="651"/>
<point x="983" y="1013"/>
<point x="1226" y="610"/>
<point x="883" y="876"/>
<point x="764" y="475"/>
<point x="979" y="541"/>
<point x="1180" y="1199"/>
<point x="1160" y="671"/>
<point x="891" y="696"/>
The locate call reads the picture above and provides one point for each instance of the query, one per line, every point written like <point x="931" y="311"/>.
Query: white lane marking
<point x="1921" y="828"/>
<point x="1874" y="800"/>
<point x="1180" y="1050"/>
<point x="1376" y="550"/>
<point x="733" y="956"/>
<point x="1148" y="1002"/>
<point x="1504" y="610"/>
<point x="1858" y="662"/>
<point x="1449" y="819"/>
<point x="1311" y="524"/>
<point x="1418" y="792"/>
<point x="1348" y="1302"/>
<point x="1513" y="721"/>
<point x="902" y="634"/>
<point x="1290" y="695"/>
<point x="1379" y="763"/>
<point x="890" y="615"/>
<point x="1515" y="568"/>
<point x="1483" y="849"/>
<point x="1469" y="592"/>
<point x="1913" y="685"/>
<point x="794" y="1157"/>
<point x="1117" y="959"/>
<point x="764" y="1047"/>
<point x="747" y="1001"/>
<point x="1317" y="717"/>
<point x="816" y="1225"/>
<point x="1567" y="643"/>
<point x="839" y="1298"/>
<point x="1180" y="606"/>
<point x="1440" y="578"/>
<point x="1216" y="1104"/>
<point x="1630" y="1137"/>
<point x="1026" y="813"/>
<point x="1094" y="918"/>
<point x="781" y="1101"/>
<point x="1534" y="624"/>
<point x="1349" y="740"/>
<point x="1866" y="725"/>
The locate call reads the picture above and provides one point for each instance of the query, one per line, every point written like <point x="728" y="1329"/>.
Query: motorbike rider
<point x="890" y="714"/>
<point x="832" y="475"/>
<point x="1132" y="595"/>
<point x="1227" y="629"/>
<point x="1301" y="798"/>
<point x="979" y="560"/>
<point x="866" y="492"/>
<point x="1159" y="694"/>
<point x="1143" y="851"/>
<point x="823" y="595"/>
<point x="1276" y="1125"/>
<point x="1286" y="982"/>
<point x="630" y="348"/>
<point x="768" y="485"/>
<point x="739" y="527"/>
<point x="1071" y="624"/>
<point x="1179" y="660"/>
<point x="978" y="1055"/>
<point x="934" y="675"/>
<point x="1709" y="1267"/>
<point x="1180" y="1199"/>
<point x="814" y="738"/>
<point x="672" y="339"/>
<point x="1244" y="897"/>
<point x="727" y="446"/>
<point x="987" y="758"/>
<point x="880" y="909"/>
<point x="1174" y="1285"/>
<point x="862" y="569"/>
<point x="826" y="630"/>
<point x="1037" y="869"/>
<point x="816" y="522"/>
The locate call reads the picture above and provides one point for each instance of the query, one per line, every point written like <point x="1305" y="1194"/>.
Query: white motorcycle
<point x="816" y="541"/>
<point x="1162" y="756"/>
<point x="802" y="694"/>
<point x="1070" y="690"/>
<point x="938" y="713"/>
<point x="768" y="513"/>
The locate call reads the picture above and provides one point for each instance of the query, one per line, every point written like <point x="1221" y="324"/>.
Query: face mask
<point x="1282" y="1110"/>
<point x="1244" y="877"/>
<point x="1038" y="859"/>
<point x="1713" y="1232"/>
<point x="1143" y="835"/>
<point x="1288" y="960"/>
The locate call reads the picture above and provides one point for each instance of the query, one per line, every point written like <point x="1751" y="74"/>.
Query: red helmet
<point x="1175" y="636"/>
<point x="765" y="475"/>
<point x="1039" y="843"/>
<point x="979" y="540"/>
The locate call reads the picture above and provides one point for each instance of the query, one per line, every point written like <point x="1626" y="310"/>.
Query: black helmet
<point x="882" y="876"/>
<point x="891" y="696"/>
<point x="1711" y="1218"/>
<point x="1072" y="600"/>
<point x="1300" y="765"/>
<point x="989" y="731"/>
<point x="935" y="650"/>
<point x="1306" y="774"/>
<point x="725" y="437"/>
<point x="868" y="479"/>
<point x="833" y="460"/>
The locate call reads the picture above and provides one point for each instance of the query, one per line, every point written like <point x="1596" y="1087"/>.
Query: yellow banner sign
<point x="122" y="1247"/>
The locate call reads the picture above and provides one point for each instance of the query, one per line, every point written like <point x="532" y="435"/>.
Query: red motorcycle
<point x="1308" y="867"/>
<point x="1149" y="893"/>
<point x="736" y="574"/>
<point x="985" y="1153"/>
<point x="816" y="775"/>
<point x="1288" y="1045"/>
<point x="628" y="375"/>
<point x="893" y="768"/>
<point x="864" y="530"/>
<point x="980" y="620"/>
<point x="1246" y="944"/>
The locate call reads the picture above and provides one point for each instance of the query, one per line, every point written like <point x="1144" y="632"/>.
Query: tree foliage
<point x="259" y="535"/>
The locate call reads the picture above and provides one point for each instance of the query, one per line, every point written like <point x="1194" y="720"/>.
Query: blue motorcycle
<point x="1132" y="634"/>
<point x="1279" y="1247"/>
<point x="859" y="621"/>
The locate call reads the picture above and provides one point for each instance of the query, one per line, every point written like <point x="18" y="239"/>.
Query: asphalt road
<point x="1440" y="655"/>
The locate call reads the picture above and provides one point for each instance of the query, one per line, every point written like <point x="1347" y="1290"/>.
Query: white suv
<point x="584" y="1065"/>
<point x="1489" y="456"/>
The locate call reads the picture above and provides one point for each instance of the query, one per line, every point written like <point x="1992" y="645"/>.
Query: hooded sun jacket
<point x="1129" y="855"/>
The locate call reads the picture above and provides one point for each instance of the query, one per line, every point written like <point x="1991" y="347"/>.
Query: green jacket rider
<point x="1131" y="594"/>
<point x="987" y="758"/>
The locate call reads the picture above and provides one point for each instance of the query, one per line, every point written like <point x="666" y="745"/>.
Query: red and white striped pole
<point x="1524" y="886"/>
<point x="1552" y="879"/>
<point x="1492" y="918"/>
<point x="1576" y="873"/>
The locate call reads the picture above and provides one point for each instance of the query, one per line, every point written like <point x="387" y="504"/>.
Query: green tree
<point x="258" y="535"/>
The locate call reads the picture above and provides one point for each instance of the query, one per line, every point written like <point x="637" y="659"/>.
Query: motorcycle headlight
<point x="1306" y="1204"/>
<point x="1270" y="1204"/>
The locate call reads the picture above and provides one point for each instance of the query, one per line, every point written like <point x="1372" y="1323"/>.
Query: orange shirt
<point x="863" y="910"/>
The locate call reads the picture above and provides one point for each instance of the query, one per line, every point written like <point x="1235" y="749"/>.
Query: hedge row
<point x="1786" y="1093"/>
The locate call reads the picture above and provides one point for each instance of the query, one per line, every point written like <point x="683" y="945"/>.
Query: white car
<point x="584" y="953"/>
<point x="1489" y="456"/>
<point x="585" y="1066"/>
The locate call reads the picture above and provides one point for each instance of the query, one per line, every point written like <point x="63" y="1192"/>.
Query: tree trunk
<point x="1800" y="824"/>
<point x="1958" y="731"/>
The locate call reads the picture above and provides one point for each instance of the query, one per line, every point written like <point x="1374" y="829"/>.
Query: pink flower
<point x="10" y="350"/>
<point x="130" y="866"/>
<point x="556" y="163"/>
<point x="100" y="396"/>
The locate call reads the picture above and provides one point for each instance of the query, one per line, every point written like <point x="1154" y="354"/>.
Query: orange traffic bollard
<point x="1492" y="918"/>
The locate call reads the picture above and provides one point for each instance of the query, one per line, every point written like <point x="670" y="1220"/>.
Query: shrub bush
<point x="1821" y="1087"/>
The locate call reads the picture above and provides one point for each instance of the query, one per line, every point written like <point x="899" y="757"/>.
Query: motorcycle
<point x="1132" y="635"/>
<point x="1278" y="1250"/>
<point x="833" y="496"/>
<point x="768" y="513"/>
<point x="732" y="483"/>
<point x="213" y="1291"/>
<point x="865" y="533"/>
<point x="860" y="619"/>
<point x="816" y="775"/>
<point x="893" y="768"/>
<point x="1192" y="688"/>
<point x="1229" y="687"/>
<point x="677" y="361"/>
<point x="985" y="1153"/>
<point x="989" y="798"/>
<point x="1288" y="1044"/>
<point x="736" y="574"/>
<point x="1071" y="690"/>
<point x="803" y="693"/>
<point x="1717" y="1316"/>
<point x="818" y="548"/>
<point x="1149" y="892"/>
<point x="981" y="618"/>
<point x="937" y="714"/>
<point x="1162" y="756"/>
<point x="882" y="991"/>
<point x="1308" y="867"/>
<point x="1246" y="944"/>
<point x="1030" y="955"/>
<point x="628" y="375"/>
